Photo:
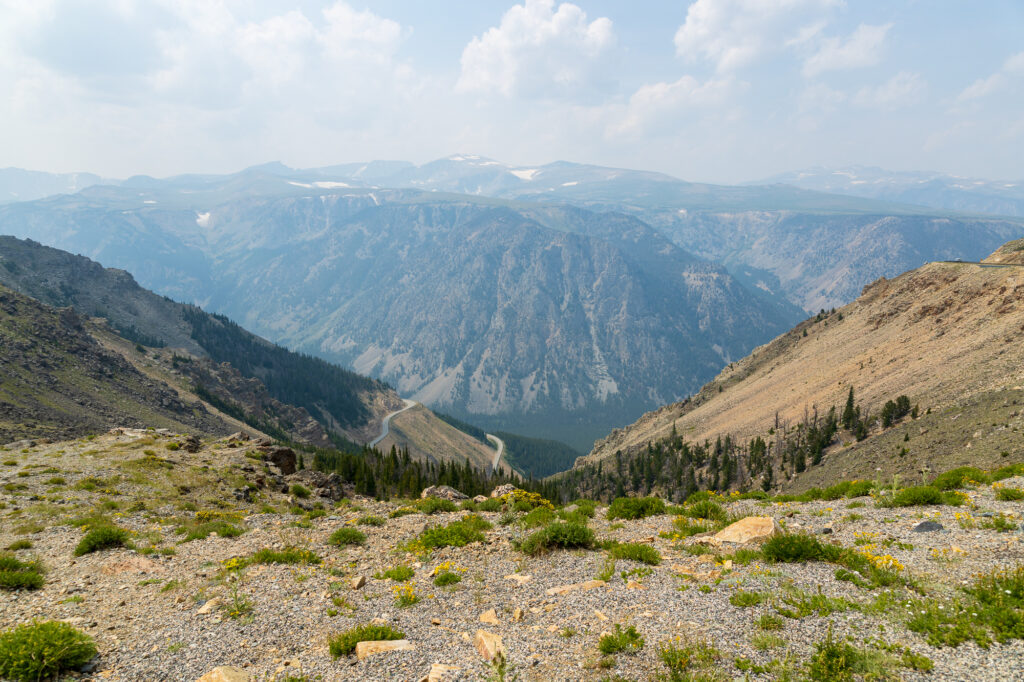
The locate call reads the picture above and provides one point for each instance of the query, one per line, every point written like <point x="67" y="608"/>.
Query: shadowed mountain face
<point x="525" y="317"/>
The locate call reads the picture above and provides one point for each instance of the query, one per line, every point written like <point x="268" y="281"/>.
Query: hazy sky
<point x="711" y="90"/>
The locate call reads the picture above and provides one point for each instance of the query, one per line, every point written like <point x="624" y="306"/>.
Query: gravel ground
<point x="145" y="631"/>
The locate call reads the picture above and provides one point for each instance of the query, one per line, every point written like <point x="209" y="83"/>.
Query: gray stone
<point x="444" y="492"/>
<point x="927" y="527"/>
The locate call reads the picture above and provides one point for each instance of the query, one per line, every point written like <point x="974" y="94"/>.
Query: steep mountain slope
<point x="57" y="381"/>
<point x="947" y="335"/>
<point x="937" y="190"/>
<point x="528" y="318"/>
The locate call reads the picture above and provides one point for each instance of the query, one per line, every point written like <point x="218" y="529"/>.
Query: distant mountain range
<point x="935" y="190"/>
<point x="557" y="301"/>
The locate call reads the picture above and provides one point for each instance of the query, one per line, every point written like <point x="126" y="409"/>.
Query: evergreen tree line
<point x="675" y="469"/>
<point x="395" y="474"/>
<point x="328" y="392"/>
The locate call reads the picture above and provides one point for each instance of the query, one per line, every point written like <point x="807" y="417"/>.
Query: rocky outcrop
<point x="444" y="492"/>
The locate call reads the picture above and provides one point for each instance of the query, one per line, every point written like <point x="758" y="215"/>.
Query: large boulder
<point x="444" y="492"/>
<point x="322" y="485"/>
<point x="751" y="530"/>
<point x="226" y="673"/>
<point x="502" y="490"/>
<point x="283" y="458"/>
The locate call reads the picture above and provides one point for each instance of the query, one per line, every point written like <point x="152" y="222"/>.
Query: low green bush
<point x="745" y="599"/>
<point x="586" y="507"/>
<point x="346" y="536"/>
<point x="344" y="643"/>
<point x="300" y="491"/>
<point x="447" y="578"/>
<point x="19" y="544"/>
<point x="41" y="650"/>
<point x="456" y="534"/>
<point x="491" y="504"/>
<point x="626" y="640"/>
<point x="371" y="520"/>
<point x="559" y="535"/>
<point x="954" y="479"/>
<point x="100" y="538"/>
<point x="201" y="531"/>
<point x="540" y="516"/>
<point x="1009" y="494"/>
<point x="635" y="507"/>
<point x="796" y="547"/>
<point x="20" y="575"/>
<point x="708" y="510"/>
<point x="915" y="496"/>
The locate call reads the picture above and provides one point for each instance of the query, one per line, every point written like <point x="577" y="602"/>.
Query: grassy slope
<point x="946" y="335"/>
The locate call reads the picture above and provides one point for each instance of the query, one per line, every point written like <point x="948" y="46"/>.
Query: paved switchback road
<point x="386" y="424"/>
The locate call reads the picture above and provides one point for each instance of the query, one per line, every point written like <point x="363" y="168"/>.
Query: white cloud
<point x="903" y="89"/>
<point x="734" y="33"/>
<point x="997" y="82"/>
<point x="863" y="48"/>
<point x="656" y="107"/>
<point x="540" y="52"/>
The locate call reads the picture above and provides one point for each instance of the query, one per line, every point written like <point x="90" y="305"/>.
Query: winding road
<point x="386" y="424"/>
<point x="500" y="444"/>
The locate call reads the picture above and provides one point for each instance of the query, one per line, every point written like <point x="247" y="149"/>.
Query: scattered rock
<point x="562" y="589"/>
<point x="519" y="578"/>
<point x="439" y="672"/>
<point x="480" y="498"/>
<point x="518" y="615"/>
<point x="444" y="492"/>
<point x="133" y="564"/>
<point x="358" y="582"/>
<point x="226" y="673"/>
<point x="209" y="606"/>
<point x="927" y="527"/>
<point x="502" y="490"/>
<point x="600" y="616"/>
<point x="634" y="585"/>
<point x="490" y="617"/>
<point x="364" y="649"/>
<point x="238" y="435"/>
<point x="753" y="529"/>
<point x="488" y="644"/>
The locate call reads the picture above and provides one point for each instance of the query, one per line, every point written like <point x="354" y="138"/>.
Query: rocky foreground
<point x="272" y="582"/>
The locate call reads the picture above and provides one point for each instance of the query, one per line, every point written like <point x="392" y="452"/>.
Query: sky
<point x="707" y="90"/>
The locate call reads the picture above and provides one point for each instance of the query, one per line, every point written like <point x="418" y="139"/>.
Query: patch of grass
<point x="746" y="556"/>
<point x="288" y="555"/>
<point x="954" y="479"/>
<point x="300" y="491"/>
<point x="344" y="643"/>
<point x="769" y="622"/>
<point x="626" y="640"/>
<point x="800" y="604"/>
<point x="56" y="480"/>
<point x="634" y="551"/>
<point x="20" y="575"/>
<point x="19" y="544"/>
<point x="347" y="536"/>
<point x="491" y="504"/>
<point x="763" y="641"/>
<point x="101" y="538"/>
<point x="201" y="531"/>
<point x="691" y="661"/>
<point x="371" y="520"/>
<point x="559" y="535"/>
<point x="172" y="585"/>
<point x="42" y="650"/>
<point x="744" y="599"/>
<point x="586" y="507"/>
<point x="913" y="496"/>
<point x="445" y="578"/>
<point x="401" y="511"/>
<point x="635" y="507"/>
<point x="399" y="573"/>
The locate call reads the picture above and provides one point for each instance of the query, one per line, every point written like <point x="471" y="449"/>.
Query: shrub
<point x="299" y="490"/>
<point x="541" y="516"/>
<point x="201" y="531"/>
<point x="288" y="555"/>
<point x="586" y="507"/>
<point x="559" y="535"/>
<point x="635" y="507"/>
<point x="19" y="575"/>
<point x="446" y="578"/>
<point x="401" y="511"/>
<point x="399" y="573"/>
<point x="634" y="551"/>
<point x="859" y="489"/>
<point x="705" y="509"/>
<point x="43" y="650"/>
<point x="20" y="544"/>
<point x="347" y="536"/>
<point x="955" y="479"/>
<point x="834" y="660"/>
<point x="916" y="495"/>
<point x="690" y="662"/>
<point x="432" y="505"/>
<point x="344" y="643"/>
<point x="103" y="537"/>
<point x="622" y="640"/>
<point x="1009" y="495"/>
<point x="456" y="534"/>
<point x="794" y="547"/>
